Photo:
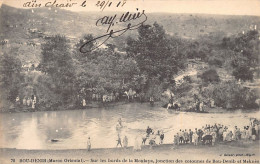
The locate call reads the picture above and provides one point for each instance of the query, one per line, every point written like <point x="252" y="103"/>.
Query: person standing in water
<point x="161" y="138"/>
<point x="88" y="144"/>
<point x="137" y="144"/>
<point x="125" y="142"/>
<point x="120" y="122"/>
<point x="119" y="141"/>
<point x="149" y="130"/>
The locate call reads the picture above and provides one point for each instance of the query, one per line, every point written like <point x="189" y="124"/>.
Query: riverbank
<point x="61" y="108"/>
<point x="222" y="151"/>
<point x="95" y="104"/>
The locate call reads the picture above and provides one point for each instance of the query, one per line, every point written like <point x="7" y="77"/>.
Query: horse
<point x="207" y="139"/>
<point x="174" y="106"/>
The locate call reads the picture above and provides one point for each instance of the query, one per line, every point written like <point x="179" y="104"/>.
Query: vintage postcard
<point x="129" y="81"/>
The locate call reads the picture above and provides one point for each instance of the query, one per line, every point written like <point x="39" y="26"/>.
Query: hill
<point x="26" y="28"/>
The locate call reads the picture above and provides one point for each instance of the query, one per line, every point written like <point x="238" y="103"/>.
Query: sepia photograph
<point x="129" y="81"/>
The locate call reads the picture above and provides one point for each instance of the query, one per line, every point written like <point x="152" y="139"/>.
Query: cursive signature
<point x="111" y="21"/>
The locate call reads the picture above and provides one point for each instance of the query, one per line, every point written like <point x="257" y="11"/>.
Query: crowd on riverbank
<point x="208" y="134"/>
<point x="218" y="133"/>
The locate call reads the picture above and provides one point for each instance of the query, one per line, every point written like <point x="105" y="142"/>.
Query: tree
<point x="10" y="76"/>
<point x="153" y="52"/>
<point x="104" y="71"/>
<point x="232" y="95"/>
<point x="117" y="71"/>
<point x="243" y="73"/>
<point x="158" y="57"/>
<point x="210" y="76"/>
<point x="87" y="48"/>
<point x="56" y="61"/>
<point x="245" y="48"/>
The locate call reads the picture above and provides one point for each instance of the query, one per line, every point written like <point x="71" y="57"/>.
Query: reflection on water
<point x="72" y="128"/>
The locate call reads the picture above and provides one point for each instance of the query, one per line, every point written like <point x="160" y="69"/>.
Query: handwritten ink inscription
<point x="114" y="22"/>
<point x="115" y="25"/>
<point x="70" y="3"/>
<point x="54" y="3"/>
<point x="103" y="4"/>
<point x="136" y="19"/>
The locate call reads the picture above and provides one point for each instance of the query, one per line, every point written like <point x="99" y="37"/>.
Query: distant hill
<point x="26" y="28"/>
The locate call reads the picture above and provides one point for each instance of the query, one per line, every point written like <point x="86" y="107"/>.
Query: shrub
<point x="215" y="62"/>
<point x="231" y="95"/>
<point x="243" y="72"/>
<point x="210" y="76"/>
<point x="187" y="79"/>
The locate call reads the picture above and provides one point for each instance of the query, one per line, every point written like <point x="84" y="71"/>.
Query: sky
<point x="223" y="7"/>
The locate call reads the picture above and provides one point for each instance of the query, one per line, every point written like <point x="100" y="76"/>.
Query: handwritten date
<point x="103" y="4"/>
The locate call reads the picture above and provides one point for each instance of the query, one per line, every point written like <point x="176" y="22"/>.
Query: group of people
<point x="207" y="134"/>
<point x="154" y="138"/>
<point x="119" y="141"/>
<point x="150" y="136"/>
<point x="119" y="126"/>
<point x="27" y="101"/>
<point x="110" y="97"/>
<point x="218" y="133"/>
<point x="104" y="98"/>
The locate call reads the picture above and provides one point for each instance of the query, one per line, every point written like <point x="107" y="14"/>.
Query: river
<point x="72" y="127"/>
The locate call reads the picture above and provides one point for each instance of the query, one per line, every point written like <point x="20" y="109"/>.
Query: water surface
<point x="73" y="127"/>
